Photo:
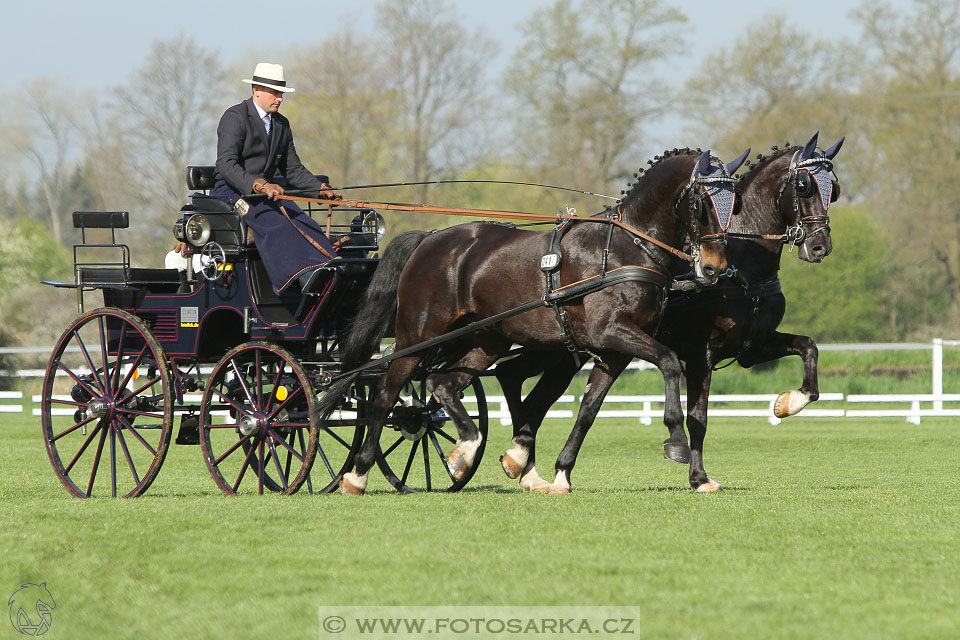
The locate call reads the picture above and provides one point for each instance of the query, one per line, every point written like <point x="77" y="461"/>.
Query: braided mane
<point x="775" y="152"/>
<point x="686" y="151"/>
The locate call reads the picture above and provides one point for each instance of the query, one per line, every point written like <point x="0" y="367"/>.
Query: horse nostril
<point x="709" y="271"/>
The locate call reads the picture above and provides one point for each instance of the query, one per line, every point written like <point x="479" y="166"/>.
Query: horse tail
<point x="377" y="313"/>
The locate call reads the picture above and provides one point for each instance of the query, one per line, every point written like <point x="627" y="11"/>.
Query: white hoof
<point x="789" y="403"/>
<point x="561" y="484"/>
<point x="514" y="461"/>
<point x="462" y="456"/>
<point x="532" y="482"/>
<point x="352" y="484"/>
<point x="710" y="487"/>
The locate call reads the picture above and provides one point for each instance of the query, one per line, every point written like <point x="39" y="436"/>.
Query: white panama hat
<point x="270" y="75"/>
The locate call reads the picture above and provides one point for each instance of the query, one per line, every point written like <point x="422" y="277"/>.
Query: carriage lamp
<point x="197" y="230"/>
<point x="373" y="222"/>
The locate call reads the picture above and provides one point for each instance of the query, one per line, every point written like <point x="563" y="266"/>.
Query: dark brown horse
<point x="437" y="282"/>
<point x="785" y="199"/>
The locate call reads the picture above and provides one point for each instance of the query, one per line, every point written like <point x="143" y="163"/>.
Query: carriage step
<point x="189" y="430"/>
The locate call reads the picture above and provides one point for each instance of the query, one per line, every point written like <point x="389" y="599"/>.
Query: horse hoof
<point x="531" y="482"/>
<point x="789" y="403"/>
<point x="557" y="491"/>
<point x="710" y="487"/>
<point x="457" y="464"/>
<point x="678" y="452"/>
<point x="510" y="466"/>
<point x="352" y="485"/>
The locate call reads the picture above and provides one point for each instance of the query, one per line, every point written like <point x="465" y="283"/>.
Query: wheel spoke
<point x="73" y="428"/>
<point x="102" y="323"/>
<point x="446" y="435"/>
<point x="243" y="383"/>
<point x="231" y="402"/>
<point x="113" y="461"/>
<point x="286" y="445"/>
<point x="443" y="458"/>
<point x="426" y="464"/>
<point x="280" y="406"/>
<point x="273" y="393"/>
<point x="303" y="446"/>
<point x="76" y="378"/>
<point x="116" y="377"/>
<point x="337" y="438"/>
<point x="149" y="383"/>
<point x="83" y="448"/>
<point x="226" y="453"/>
<point x="406" y="470"/>
<point x="96" y="460"/>
<point x="89" y="361"/>
<point x="129" y="426"/>
<point x="137" y="412"/>
<point x="276" y="463"/>
<point x="126" y="453"/>
<point x="326" y="462"/>
<point x="262" y="463"/>
<point x="393" y="446"/>
<point x="243" y="469"/>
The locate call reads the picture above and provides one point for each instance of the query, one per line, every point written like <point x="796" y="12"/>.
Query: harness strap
<point x="513" y="215"/>
<point x="575" y="290"/>
<point x="316" y="245"/>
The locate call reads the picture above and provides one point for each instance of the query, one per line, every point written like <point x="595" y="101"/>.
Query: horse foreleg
<point x="601" y="378"/>
<point x="446" y="388"/>
<point x="527" y="415"/>
<point x="385" y="397"/>
<point x="789" y="403"/>
<point x="699" y="374"/>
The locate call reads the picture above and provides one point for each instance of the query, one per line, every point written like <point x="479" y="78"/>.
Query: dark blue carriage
<point x="240" y="364"/>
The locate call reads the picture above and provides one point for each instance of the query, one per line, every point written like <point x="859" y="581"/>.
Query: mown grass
<point x="826" y="529"/>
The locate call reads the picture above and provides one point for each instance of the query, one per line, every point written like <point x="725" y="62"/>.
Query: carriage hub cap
<point x="98" y="408"/>
<point x="251" y="425"/>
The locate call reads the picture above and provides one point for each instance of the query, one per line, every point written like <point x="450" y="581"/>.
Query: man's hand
<point x="274" y="191"/>
<point x="326" y="191"/>
<point x="180" y="247"/>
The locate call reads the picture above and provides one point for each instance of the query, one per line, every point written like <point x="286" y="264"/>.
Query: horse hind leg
<point x="445" y="387"/>
<point x="354" y="482"/>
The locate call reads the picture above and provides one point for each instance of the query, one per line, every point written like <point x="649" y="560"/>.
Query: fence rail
<point x="646" y="409"/>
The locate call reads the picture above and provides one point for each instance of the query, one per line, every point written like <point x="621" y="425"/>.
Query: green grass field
<point x="826" y="529"/>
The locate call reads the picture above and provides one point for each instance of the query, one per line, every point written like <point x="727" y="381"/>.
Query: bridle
<point x="804" y="180"/>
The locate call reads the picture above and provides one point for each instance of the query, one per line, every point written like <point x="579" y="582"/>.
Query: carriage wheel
<point x="256" y="430"/>
<point x="418" y="435"/>
<point x="107" y="407"/>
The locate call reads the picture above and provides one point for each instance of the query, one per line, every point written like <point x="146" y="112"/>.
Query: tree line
<point x="575" y="107"/>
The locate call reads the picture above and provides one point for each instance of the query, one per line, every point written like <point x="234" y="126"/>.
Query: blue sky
<point x="99" y="43"/>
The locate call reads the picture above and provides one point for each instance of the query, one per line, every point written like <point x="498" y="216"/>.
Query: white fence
<point x="647" y="408"/>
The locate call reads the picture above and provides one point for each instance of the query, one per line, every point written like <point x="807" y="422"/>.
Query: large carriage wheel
<point x="256" y="429"/>
<point x="106" y="406"/>
<point x="418" y="435"/>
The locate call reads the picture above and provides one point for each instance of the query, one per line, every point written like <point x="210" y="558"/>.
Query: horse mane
<point x="686" y="151"/>
<point x="775" y="152"/>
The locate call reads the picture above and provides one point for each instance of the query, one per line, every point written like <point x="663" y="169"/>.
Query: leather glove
<point x="269" y="189"/>
<point x="326" y="191"/>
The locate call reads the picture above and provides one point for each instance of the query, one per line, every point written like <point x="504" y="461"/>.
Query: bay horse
<point x="432" y="283"/>
<point x="785" y="199"/>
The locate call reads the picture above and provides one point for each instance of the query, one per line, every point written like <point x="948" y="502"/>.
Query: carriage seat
<point x="153" y="280"/>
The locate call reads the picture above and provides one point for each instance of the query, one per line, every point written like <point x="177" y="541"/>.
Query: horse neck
<point x="649" y="206"/>
<point x="759" y="260"/>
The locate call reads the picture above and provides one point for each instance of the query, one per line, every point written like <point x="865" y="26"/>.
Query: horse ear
<point x="832" y="151"/>
<point x="703" y="164"/>
<point x="736" y="164"/>
<point x="810" y="147"/>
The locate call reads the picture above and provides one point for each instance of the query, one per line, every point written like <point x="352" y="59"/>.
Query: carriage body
<point x="122" y="374"/>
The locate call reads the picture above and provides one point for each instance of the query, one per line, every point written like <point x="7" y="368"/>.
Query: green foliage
<point x="845" y="298"/>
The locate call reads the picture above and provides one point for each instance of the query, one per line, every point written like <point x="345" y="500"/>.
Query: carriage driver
<point x="254" y="144"/>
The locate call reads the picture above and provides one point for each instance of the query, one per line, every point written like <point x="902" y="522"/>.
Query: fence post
<point x="937" y="372"/>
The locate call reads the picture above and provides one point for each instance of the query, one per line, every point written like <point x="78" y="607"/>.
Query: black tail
<point x="377" y="312"/>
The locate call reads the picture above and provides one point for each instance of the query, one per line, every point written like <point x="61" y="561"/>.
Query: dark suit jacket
<point x="243" y="154"/>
